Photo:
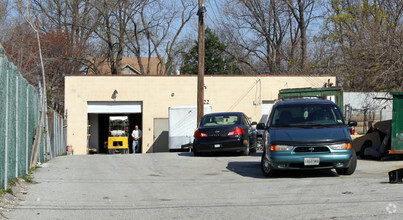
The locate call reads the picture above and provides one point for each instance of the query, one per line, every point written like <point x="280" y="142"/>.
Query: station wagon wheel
<point x="267" y="171"/>
<point x="349" y="170"/>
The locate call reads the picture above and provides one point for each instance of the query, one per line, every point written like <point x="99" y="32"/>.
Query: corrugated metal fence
<point x="19" y="118"/>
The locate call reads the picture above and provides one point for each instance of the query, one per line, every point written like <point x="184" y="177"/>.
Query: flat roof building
<point x="90" y="100"/>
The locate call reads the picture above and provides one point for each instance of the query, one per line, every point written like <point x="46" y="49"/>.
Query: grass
<point x="27" y="178"/>
<point x="9" y="190"/>
<point x="32" y="169"/>
<point x="2" y="191"/>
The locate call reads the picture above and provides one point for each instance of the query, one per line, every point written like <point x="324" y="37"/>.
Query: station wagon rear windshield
<point x="219" y="120"/>
<point x="306" y="115"/>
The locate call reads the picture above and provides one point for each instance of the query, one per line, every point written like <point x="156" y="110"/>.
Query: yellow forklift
<point x="118" y="139"/>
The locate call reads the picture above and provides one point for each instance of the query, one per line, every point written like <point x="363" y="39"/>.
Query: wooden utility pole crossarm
<point x="200" y="76"/>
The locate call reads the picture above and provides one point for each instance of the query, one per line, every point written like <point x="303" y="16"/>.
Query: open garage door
<point x="114" y="107"/>
<point x="98" y="121"/>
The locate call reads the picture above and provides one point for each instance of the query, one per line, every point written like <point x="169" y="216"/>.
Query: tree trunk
<point x="303" y="33"/>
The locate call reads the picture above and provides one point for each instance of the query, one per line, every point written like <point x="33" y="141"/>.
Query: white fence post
<point x="16" y="123"/>
<point x="27" y="134"/>
<point x="6" y="137"/>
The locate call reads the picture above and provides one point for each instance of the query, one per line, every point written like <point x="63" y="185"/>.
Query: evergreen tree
<point x="217" y="62"/>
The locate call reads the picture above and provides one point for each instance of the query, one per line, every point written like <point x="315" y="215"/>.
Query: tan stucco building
<point x="146" y="99"/>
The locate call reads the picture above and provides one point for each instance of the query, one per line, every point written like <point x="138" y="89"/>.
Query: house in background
<point x="129" y="66"/>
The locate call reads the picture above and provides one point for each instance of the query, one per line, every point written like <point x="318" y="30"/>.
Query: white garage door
<point x="266" y="109"/>
<point x="114" y="107"/>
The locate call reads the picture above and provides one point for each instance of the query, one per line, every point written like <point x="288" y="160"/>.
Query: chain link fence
<point x="20" y="111"/>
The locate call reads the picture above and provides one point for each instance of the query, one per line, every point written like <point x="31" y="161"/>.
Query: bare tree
<point x="3" y="8"/>
<point x="76" y="19"/>
<point x="185" y="11"/>
<point x="260" y="27"/>
<point x="158" y="27"/>
<point x="42" y="126"/>
<point x="113" y="18"/>
<point x="302" y="11"/>
<point x="368" y="36"/>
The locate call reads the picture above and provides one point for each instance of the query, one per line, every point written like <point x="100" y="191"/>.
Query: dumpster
<point x="334" y="94"/>
<point x="397" y="124"/>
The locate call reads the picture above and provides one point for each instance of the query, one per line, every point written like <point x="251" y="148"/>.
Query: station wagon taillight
<point x="199" y="134"/>
<point x="237" y="131"/>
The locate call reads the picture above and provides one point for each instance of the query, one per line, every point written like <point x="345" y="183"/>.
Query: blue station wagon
<point x="307" y="134"/>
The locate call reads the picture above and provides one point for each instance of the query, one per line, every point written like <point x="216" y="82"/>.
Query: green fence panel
<point x="20" y="112"/>
<point x="3" y="77"/>
<point x="32" y="96"/>
<point x="11" y="126"/>
<point x="22" y="125"/>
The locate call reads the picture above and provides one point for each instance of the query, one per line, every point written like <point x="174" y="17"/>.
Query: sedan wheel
<point x="196" y="153"/>
<point x="246" y="151"/>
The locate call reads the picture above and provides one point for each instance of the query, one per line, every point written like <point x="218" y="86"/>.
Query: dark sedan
<point x="225" y="132"/>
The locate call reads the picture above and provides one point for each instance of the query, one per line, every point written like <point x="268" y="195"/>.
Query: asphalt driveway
<point x="180" y="186"/>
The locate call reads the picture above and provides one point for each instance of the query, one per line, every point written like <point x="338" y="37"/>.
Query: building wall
<point x="157" y="93"/>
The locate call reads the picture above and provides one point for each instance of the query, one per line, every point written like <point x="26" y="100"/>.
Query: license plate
<point x="311" y="161"/>
<point x="217" y="145"/>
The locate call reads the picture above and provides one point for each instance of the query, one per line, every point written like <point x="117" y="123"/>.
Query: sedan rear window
<point x="307" y="115"/>
<point x="219" y="120"/>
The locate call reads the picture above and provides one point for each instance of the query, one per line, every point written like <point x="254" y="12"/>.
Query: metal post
<point x="200" y="76"/>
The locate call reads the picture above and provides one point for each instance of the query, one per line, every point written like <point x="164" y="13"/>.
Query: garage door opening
<point x="98" y="130"/>
<point x="98" y="122"/>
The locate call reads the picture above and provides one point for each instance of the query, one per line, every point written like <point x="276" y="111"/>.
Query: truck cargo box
<point x="182" y="123"/>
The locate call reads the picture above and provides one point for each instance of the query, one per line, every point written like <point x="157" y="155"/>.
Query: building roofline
<point x="143" y="75"/>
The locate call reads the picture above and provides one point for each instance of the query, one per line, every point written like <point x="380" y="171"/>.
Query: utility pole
<point x="200" y="75"/>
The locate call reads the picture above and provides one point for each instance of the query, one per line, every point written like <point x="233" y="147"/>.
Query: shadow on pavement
<point x="186" y="154"/>
<point x="253" y="169"/>
<point x="220" y="154"/>
<point x="246" y="168"/>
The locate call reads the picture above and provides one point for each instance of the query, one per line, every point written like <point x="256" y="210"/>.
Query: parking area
<point x="181" y="186"/>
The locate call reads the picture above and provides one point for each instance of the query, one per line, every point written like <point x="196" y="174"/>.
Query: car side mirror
<point x="254" y="123"/>
<point x="352" y="123"/>
<point x="261" y="126"/>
